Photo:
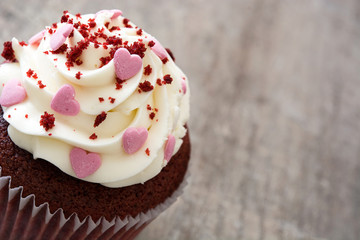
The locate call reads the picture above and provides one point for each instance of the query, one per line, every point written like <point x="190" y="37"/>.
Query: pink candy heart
<point x="35" y="40"/>
<point x="183" y="86"/>
<point x="83" y="163"/>
<point x="169" y="148"/>
<point x="13" y="93"/>
<point x="126" y="65"/>
<point x="115" y="13"/>
<point x="64" y="101"/>
<point x="60" y="36"/>
<point x="158" y="49"/>
<point x="133" y="139"/>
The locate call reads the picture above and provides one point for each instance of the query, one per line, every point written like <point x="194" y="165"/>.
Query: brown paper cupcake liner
<point x="21" y="219"/>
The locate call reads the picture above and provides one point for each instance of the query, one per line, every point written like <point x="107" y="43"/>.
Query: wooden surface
<point x="275" y="121"/>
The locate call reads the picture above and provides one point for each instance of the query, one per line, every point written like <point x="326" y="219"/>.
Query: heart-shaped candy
<point x="64" y="101"/>
<point x="12" y="93"/>
<point x="158" y="49"/>
<point x="83" y="163"/>
<point x="115" y="13"/>
<point x="126" y="65"/>
<point x="133" y="139"/>
<point x="60" y="36"/>
<point x="169" y="148"/>
<point x="183" y="86"/>
<point x="35" y="40"/>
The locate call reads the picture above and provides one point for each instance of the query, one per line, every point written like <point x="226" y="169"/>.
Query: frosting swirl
<point x="104" y="100"/>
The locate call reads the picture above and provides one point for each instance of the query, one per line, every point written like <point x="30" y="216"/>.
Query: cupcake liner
<point x="20" y="218"/>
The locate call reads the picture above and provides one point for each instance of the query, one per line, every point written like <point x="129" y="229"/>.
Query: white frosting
<point x="130" y="108"/>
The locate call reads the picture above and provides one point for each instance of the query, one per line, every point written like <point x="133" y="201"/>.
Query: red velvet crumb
<point x="22" y="43"/>
<point x="158" y="82"/>
<point x="147" y="70"/>
<point x="30" y="72"/>
<point x="78" y="75"/>
<point x="146" y="86"/>
<point x="126" y="23"/>
<point x="136" y="48"/>
<point x="8" y="52"/>
<point x="40" y="84"/>
<point x="61" y="49"/>
<point x="139" y="32"/>
<point x="35" y="76"/>
<point x="152" y="115"/>
<point x="170" y="53"/>
<point x="147" y="151"/>
<point x="151" y="43"/>
<point x="100" y="118"/>
<point x="93" y="136"/>
<point x="165" y="60"/>
<point x="148" y="107"/>
<point x="167" y="79"/>
<point x="47" y="121"/>
<point x="112" y="100"/>
<point x="101" y="99"/>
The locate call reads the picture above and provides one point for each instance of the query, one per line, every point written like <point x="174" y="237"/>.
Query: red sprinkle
<point x="41" y="85"/>
<point x="78" y="74"/>
<point x="26" y="115"/>
<point x="101" y="99"/>
<point x="93" y="136"/>
<point x="147" y="70"/>
<point x="100" y="118"/>
<point x="8" y="52"/>
<point x="50" y="134"/>
<point x="147" y="151"/>
<point x="9" y="116"/>
<point x="146" y="86"/>
<point x="47" y="121"/>
<point x="35" y="76"/>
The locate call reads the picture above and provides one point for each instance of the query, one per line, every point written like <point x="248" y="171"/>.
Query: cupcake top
<point x="96" y="96"/>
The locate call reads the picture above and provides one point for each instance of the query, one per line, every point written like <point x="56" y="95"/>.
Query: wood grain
<point x="275" y="121"/>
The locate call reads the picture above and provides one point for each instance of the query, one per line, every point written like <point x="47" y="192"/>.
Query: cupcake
<point x="93" y="135"/>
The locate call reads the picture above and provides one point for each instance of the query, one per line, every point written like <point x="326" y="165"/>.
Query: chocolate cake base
<point x="60" y="190"/>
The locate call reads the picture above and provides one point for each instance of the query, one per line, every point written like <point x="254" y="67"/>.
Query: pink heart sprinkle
<point x="126" y="65"/>
<point x="183" y="86"/>
<point x="60" y="36"/>
<point x="158" y="49"/>
<point x="35" y="40"/>
<point x="133" y="139"/>
<point x="12" y="93"/>
<point x="169" y="148"/>
<point x="83" y="163"/>
<point x="64" y="101"/>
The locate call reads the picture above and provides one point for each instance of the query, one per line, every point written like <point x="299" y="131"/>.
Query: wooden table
<point x="275" y="121"/>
